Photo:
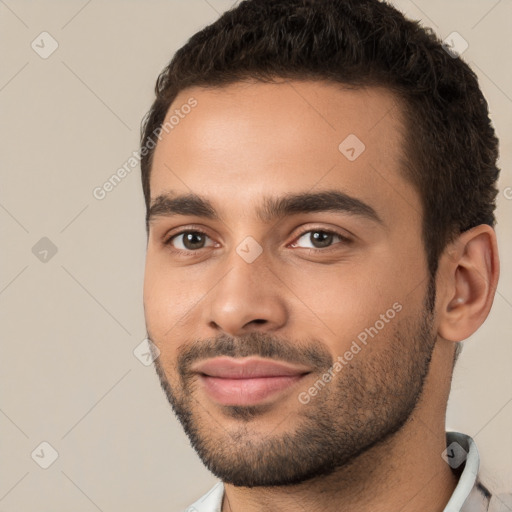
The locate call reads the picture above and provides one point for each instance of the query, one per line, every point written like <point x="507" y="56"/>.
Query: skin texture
<point x="381" y="418"/>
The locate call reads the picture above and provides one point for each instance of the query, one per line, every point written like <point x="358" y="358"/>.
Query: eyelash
<point x="192" y="253"/>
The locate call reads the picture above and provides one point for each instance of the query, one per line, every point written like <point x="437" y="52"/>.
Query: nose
<point x="248" y="297"/>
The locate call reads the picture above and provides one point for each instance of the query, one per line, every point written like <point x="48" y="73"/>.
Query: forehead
<point x="246" y="141"/>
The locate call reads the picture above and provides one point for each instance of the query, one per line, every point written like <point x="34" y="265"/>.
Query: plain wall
<point x="70" y="324"/>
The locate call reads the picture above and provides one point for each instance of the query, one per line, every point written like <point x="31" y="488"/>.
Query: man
<point x="320" y="182"/>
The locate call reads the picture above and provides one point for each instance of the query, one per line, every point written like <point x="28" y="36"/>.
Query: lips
<point x="247" y="368"/>
<point x="246" y="381"/>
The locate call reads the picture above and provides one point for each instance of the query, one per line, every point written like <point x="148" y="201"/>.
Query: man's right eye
<point x="188" y="241"/>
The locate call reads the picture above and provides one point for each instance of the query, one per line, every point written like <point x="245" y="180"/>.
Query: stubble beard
<point x="366" y="403"/>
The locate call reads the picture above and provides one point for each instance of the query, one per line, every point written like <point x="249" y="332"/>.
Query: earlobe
<point x="471" y="273"/>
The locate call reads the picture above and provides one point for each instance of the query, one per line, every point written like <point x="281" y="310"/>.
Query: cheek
<point x="170" y="300"/>
<point x="347" y="300"/>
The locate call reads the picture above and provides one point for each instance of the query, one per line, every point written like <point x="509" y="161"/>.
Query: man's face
<point x="293" y="334"/>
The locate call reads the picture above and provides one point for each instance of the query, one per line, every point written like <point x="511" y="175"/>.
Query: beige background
<point x="69" y="325"/>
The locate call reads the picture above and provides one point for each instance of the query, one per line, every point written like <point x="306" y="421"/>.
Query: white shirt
<point x="469" y="495"/>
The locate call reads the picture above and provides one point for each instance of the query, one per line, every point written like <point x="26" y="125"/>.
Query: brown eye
<point x="188" y="240"/>
<point x="319" y="239"/>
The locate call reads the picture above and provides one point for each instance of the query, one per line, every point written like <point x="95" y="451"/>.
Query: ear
<point x="467" y="281"/>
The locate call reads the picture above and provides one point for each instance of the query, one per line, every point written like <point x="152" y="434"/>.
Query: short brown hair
<point x="450" y="145"/>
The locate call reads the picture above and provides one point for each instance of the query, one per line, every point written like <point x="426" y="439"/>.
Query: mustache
<point x="311" y="353"/>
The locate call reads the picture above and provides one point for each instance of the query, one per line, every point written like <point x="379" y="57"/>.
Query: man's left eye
<point x="319" y="239"/>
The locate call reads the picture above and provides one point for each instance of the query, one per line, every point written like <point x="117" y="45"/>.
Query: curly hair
<point x="450" y="148"/>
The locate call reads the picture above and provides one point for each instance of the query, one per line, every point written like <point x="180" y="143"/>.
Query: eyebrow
<point x="169" y="205"/>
